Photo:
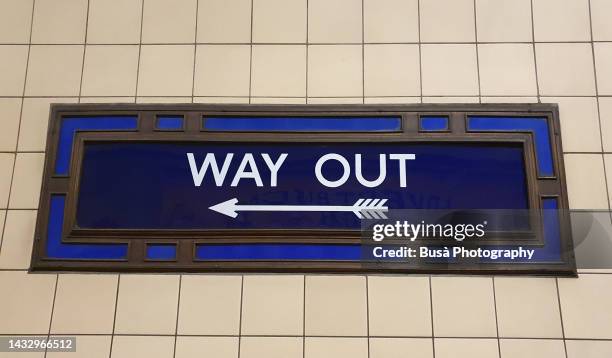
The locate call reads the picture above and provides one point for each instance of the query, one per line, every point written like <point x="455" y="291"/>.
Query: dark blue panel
<point x="278" y="252"/>
<point x="170" y="122"/>
<point x="149" y="185"/>
<point x="161" y="252"/>
<point x="361" y="124"/>
<point x="57" y="249"/>
<point x="70" y="125"/>
<point x="537" y="125"/>
<point x="434" y="123"/>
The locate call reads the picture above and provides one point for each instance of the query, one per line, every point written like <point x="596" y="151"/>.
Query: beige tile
<point x="114" y="21"/>
<point x="169" y="22"/>
<point x="401" y="347"/>
<point x="27" y="179"/>
<point x="585" y="304"/>
<point x="222" y="70"/>
<point x="507" y="70"/>
<point x="527" y="307"/>
<point x="18" y="239"/>
<point x="334" y="100"/>
<point x="10" y="110"/>
<point x="54" y="70"/>
<point x="15" y="21"/>
<point x="473" y="348"/>
<point x="334" y="21"/>
<point x="334" y="71"/>
<point x="579" y="123"/>
<point x="271" y="347"/>
<point x="163" y="99"/>
<point x="586" y="183"/>
<point x="279" y="21"/>
<point x="224" y="21"/>
<point x="278" y="100"/>
<point x="328" y="347"/>
<point x="532" y="348"/>
<point x="12" y="69"/>
<point x="463" y="307"/>
<point x="608" y="164"/>
<point x="273" y="305"/>
<point x="35" y="120"/>
<point x="391" y="20"/>
<point x="450" y="99"/>
<point x="399" y="306"/>
<point x="392" y="70"/>
<point x="27" y="309"/>
<point x="142" y="346"/>
<point x="110" y="70"/>
<point x="588" y="349"/>
<point x="565" y="69"/>
<point x="503" y="20"/>
<point x="106" y="100"/>
<point x="7" y="160"/>
<point x="336" y="305"/>
<point x="84" y="304"/>
<point x="602" y="27"/>
<point x="87" y="347"/>
<point x="166" y="70"/>
<point x="279" y="71"/>
<point x="24" y="354"/>
<point x="2" y="219"/>
<point x="59" y="21"/>
<point x="561" y="20"/>
<point x="603" y="65"/>
<point x="449" y="70"/>
<point x="392" y="100"/>
<point x="509" y="99"/>
<point x="220" y="100"/>
<point x="196" y="347"/>
<point x="210" y="305"/>
<point x="605" y="115"/>
<point x="147" y="304"/>
<point x="447" y="20"/>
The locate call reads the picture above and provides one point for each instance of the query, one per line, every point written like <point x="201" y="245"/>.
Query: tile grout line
<point x="23" y="91"/>
<point x="477" y="53"/>
<point x="535" y="58"/>
<point x="420" y="50"/>
<point x="240" y="320"/>
<point x="52" y="311"/>
<point x="110" y="352"/>
<point x="251" y="57"/>
<point x="496" y="317"/>
<point x="307" y="49"/>
<point x="84" y="52"/>
<point x="195" y="52"/>
<point x="178" y="310"/>
<point x="561" y="315"/>
<point x="603" y="157"/>
<point x="139" y="51"/>
<point x="379" y="96"/>
<point x="431" y="314"/>
<point x="363" y="56"/>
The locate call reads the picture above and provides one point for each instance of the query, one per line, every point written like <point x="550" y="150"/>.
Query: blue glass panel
<point x="537" y="125"/>
<point x="159" y="192"/>
<point x="161" y="252"/>
<point x="70" y="125"/>
<point x="361" y="124"/>
<point x="57" y="249"/>
<point x="278" y="252"/>
<point x="170" y="122"/>
<point x="434" y="123"/>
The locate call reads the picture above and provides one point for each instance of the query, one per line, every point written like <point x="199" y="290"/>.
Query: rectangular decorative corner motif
<point x="197" y="188"/>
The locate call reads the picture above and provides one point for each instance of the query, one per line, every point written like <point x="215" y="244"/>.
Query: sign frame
<point x="539" y="186"/>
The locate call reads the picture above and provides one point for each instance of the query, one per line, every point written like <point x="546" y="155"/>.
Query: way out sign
<point x="269" y="188"/>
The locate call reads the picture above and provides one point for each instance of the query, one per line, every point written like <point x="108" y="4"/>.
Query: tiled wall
<point x="304" y="51"/>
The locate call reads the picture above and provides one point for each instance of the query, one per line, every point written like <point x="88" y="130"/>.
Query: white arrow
<point x="368" y="208"/>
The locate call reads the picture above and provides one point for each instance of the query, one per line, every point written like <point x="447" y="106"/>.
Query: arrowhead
<point x="226" y="208"/>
